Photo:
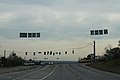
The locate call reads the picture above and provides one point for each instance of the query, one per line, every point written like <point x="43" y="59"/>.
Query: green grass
<point x="110" y="66"/>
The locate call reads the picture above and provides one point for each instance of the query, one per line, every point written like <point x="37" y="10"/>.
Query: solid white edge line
<point x="28" y="74"/>
<point x="49" y="74"/>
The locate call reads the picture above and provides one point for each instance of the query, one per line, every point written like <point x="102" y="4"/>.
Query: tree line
<point x="110" y="54"/>
<point x="11" y="60"/>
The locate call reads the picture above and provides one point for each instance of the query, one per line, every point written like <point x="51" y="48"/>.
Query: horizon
<point x="61" y="23"/>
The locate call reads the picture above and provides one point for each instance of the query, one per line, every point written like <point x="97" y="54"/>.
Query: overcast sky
<point x="59" y="19"/>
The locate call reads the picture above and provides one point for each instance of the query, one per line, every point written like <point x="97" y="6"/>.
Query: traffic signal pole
<point x="94" y="49"/>
<point x="4" y="53"/>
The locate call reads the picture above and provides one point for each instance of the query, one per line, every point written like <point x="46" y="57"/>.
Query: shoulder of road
<point x="15" y="69"/>
<point x="110" y="66"/>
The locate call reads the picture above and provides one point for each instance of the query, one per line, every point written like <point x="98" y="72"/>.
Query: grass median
<point x="110" y="66"/>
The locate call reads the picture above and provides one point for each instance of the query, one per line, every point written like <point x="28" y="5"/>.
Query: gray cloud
<point x="62" y="23"/>
<point x="58" y="19"/>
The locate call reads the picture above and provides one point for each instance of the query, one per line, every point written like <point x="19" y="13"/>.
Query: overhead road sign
<point x="29" y="35"/>
<point x="99" y="32"/>
<point x="23" y="35"/>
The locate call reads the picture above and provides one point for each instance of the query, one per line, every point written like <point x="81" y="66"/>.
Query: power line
<point x="83" y="46"/>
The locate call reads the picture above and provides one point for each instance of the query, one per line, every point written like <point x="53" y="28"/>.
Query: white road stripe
<point x="27" y="74"/>
<point x="49" y="74"/>
<point x="9" y="77"/>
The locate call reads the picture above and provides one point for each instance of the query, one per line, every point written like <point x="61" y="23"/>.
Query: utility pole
<point x="4" y="53"/>
<point x="94" y="49"/>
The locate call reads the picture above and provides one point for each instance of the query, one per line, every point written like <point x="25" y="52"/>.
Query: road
<point x="61" y="72"/>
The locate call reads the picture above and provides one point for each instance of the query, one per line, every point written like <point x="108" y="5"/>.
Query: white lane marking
<point x="49" y="74"/>
<point x="9" y="77"/>
<point x="28" y="74"/>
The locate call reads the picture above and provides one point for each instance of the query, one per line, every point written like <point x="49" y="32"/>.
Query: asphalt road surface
<point x="61" y="72"/>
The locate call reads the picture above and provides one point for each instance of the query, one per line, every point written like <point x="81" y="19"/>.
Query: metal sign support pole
<point x="94" y="49"/>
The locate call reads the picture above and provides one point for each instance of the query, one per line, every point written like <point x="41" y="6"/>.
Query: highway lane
<point x="37" y="73"/>
<point x="87" y="73"/>
<point x="81" y="72"/>
<point x="61" y="72"/>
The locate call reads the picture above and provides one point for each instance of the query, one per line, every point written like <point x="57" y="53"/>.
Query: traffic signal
<point x="25" y="53"/>
<point x="59" y="53"/>
<point x="44" y="53"/>
<point x="50" y="52"/>
<point x="39" y="52"/>
<point x="47" y="52"/>
<point x="56" y="52"/>
<point x="73" y="51"/>
<point x="34" y="53"/>
<point x="65" y="52"/>
<point x="53" y="54"/>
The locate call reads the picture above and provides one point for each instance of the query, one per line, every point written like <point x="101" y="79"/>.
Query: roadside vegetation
<point x="110" y="61"/>
<point x="110" y="66"/>
<point x="14" y="63"/>
<point x="12" y="60"/>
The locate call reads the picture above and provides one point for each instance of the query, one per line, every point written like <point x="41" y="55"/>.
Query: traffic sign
<point x="29" y="35"/>
<point x="99" y="32"/>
